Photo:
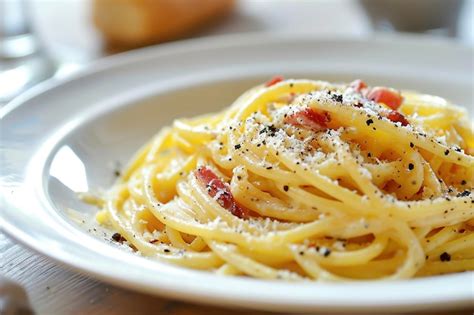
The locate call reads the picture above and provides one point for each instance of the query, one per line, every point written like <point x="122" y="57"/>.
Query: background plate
<point x="64" y="137"/>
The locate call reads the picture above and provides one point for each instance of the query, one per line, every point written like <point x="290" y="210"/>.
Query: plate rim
<point x="128" y="58"/>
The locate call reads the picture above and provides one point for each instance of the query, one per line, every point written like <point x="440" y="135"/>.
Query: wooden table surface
<point x="55" y="289"/>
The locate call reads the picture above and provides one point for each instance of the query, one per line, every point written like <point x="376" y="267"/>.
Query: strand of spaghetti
<point x="204" y="260"/>
<point x="374" y="269"/>
<point x="431" y="182"/>
<point x="444" y="235"/>
<point x="264" y="96"/>
<point x="264" y="203"/>
<point x="345" y="114"/>
<point x="253" y="163"/>
<point x="327" y="185"/>
<point x="335" y="208"/>
<point x="158" y="143"/>
<point x="453" y="246"/>
<point x="356" y="171"/>
<point x="176" y="239"/>
<point x="448" y="218"/>
<point x="228" y="270"/>
<point x="414" y="258"/>
<point x="437" y="267"/>
<point x="231" y="255"/>
<point x="346" y="258"/>
<point x="274" y="240"/>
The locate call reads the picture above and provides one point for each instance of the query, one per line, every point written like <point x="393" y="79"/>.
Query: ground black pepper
<point x="464" y="193"/>
<point x="445" y="257"/>
<point x="118" y="238"/>
<point x="327" y="252"/>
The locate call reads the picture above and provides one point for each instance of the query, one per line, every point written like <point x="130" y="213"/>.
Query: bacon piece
<point x="216" y="187"/>
<point x="420" y="191"/>
<point x="389" y="97"/>
<point x="274" y="80"/>
<point x="308" y="119"/>
<point x="397" y="117"/>
<point x="358" y="85"/>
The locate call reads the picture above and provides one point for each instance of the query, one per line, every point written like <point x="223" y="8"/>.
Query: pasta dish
<point x="303" y="179"/>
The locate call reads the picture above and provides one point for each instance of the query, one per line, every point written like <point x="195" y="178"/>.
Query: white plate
<point x="62" y="136"/>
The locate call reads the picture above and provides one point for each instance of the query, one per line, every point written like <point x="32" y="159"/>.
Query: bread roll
<point x="140" y="22"/>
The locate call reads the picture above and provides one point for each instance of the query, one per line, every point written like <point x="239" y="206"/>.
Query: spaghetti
<point x="306" y="179"/>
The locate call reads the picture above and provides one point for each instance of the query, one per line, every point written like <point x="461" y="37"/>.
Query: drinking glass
<point x="23" y="61"/>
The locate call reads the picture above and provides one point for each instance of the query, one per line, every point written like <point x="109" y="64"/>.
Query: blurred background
<point x="41" y="39"/>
